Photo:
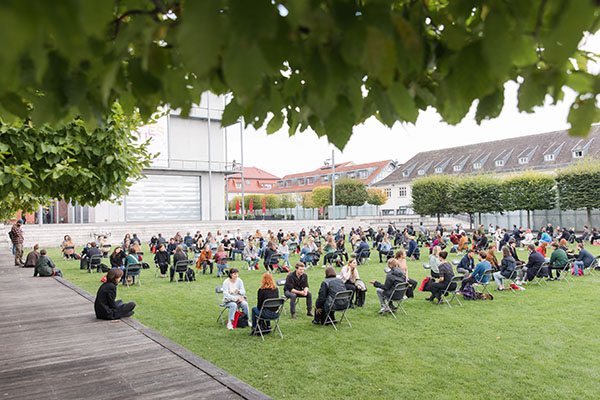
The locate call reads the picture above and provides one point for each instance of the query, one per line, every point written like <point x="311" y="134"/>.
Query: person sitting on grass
<point x="267" y="290"/>
<point x="296" y="285"/>
<point x="32" y="257"/>
<point x="392" y="278"/>
<point x="400" y="256"/>
<point x="478" y="274"/>
<point x="507" y="269"/>
<point x="179" y="255"/>
<point x="44" y="266"/>
<point x="205" y="260"/>
<point x="105" y="305"/>
<point x="234" y="296"/>
<point x="68" y="248"/>
<point x="117" y="258"/>
<point x="446" y="273"/>
<point x="331" y="286"/>
<point x="466" y="264"/>
<point x="584" y="259"/>
<point x="434" y="261"/>
<point x="162" y="259"/>
<point x="251" y="255"/>
<point x="533" y="266"/>
<point x="558" y="260"/>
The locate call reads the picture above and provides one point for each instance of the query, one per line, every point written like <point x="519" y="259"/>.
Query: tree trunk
<point x="479" y="214"/>
<point x="528" y="225"/>
<point x="589" y="217"/>
<point x="438" y="217"/>
<point x="470" y="221"/>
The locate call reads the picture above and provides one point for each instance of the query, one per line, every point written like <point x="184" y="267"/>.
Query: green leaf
<point x="532" y="92"/>
<point x="582" y="115"/>
<point x="275" y="123"/>
<point x="12" y="103"/>
<point x="243" y="69"/>
<point x="490" y="106"/>
<point x="403" y="104"/>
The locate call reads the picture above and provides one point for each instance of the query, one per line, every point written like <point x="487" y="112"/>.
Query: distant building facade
<point x="544" y="152"/>
<point x="256" y="181"/>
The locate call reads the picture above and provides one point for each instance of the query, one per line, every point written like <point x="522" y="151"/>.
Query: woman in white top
<point x="234" y="296"/>
<point x="434" y="261"/>
<point x="528" y="238"/>
<point x="351" y="279"/>
<point x="284" y="251"/>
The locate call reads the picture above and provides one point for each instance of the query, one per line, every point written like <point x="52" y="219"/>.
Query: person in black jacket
<point x="534" y="264"/>
<point x="105" y="305"/>
<point x="512" y="244"/>
<point x="392" y="278"/>
<point x="466" y="264"/>
<point x="329" y="288"/>
<point x="179" y="255"/>
<point x="93" y="251"/>
<point x="446" y="274"/>
<point x="270" y="251"/>
<point x="117" y="257"/>
<point x="267" y="290"/>
<point x="162" y="259"/>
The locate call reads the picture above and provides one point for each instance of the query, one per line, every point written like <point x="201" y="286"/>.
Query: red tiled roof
<point x="255" y="173"/>
<point x="256" y="177"/>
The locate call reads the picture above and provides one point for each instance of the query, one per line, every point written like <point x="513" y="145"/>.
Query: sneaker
<point x="549" y="279"/>
<point x="383" y="310"/>
<point x="309" y="314"/>
<point x="250" y="324"/>
<point x="229" y="325"/>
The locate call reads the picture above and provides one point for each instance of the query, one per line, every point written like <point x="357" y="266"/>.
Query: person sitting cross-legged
<point x="44" y="266"/>
<point x="267" y="290"/>
<point x="105" y="305"/>
<point x="296" y="285"/>
<point x="392" y="278"/>
<point x="478" y="273"/>
<point x="234" y="296"/>
<point x="507" y="268"/>
<point x="329" y="288"/>
<point x="558" y="260"/>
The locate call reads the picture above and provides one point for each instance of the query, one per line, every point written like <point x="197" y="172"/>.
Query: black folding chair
<point x="314" y="258"/>
<point x="181" y="267"/>
<point x="281" y="283"/>
<point x="362" y="256"/>
<point x="133" y="270"/>
<point x="457" y="279"/>
<point x="565" y="273"/>
<point x="341" y="303"/>
<point x="222" y="305"/>
<point x="94" y="262"/>
<point x="396" y="297"/>
<point x="270" y="303"/>
<point x="483" y="282"/>
<point x="106" y="250"/>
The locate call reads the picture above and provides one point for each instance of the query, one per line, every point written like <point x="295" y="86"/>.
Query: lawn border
<point x="234" y="384"/>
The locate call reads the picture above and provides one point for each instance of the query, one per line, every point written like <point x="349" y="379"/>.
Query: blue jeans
<point x="236" y="251"/>
<point x="233" y="306"/>
<point x="266" y="314"/>
<point x="251" y="263"/>
<point x="579" y="265"/>
<point x="220" y="269"/>
<point x="286" y="257"/>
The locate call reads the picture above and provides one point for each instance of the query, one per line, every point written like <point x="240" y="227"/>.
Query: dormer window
<point x="363" y="173"/>
<point x="405" y="173"/>
<point x="309" y="181"/>
<point x="421" y="172"/>
<point x="301" y="182"/>
<point x="549" y="157"/>
<point x="438" y="170"/>
<point x="578" y="154"/>
<point x="326" y="178"/>
<point x="523" y="160"/>
<point x="499" y="163"/>
<point x="477" y="165"/>
<point x="457" y="168"/>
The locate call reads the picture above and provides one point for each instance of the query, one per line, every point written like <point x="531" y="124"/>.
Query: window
<point x="388" y="192"/>
<point x="421" y="172"/>
<point x="326" y="178"/>
<point x="238" y="185"/>
<point x="247" y="182"/>
<point x="438" y="170"/>
<point x="523" y="160"/>
<point x="301" y="182"/>
<point x="499" y="163"/>
<point x="288" y="183"/>
<point x="352" y="175"/>
<point x="405" y="173"/>
<point x="363" y="174"/>
<point x="402" y="191"/>
<point x="578" y="154"/>
<point x="457" y="168"/>
<point x="267" y="186"/>
<point x="309" y="181"/>
<point x="280" y="184"/>
<point x="548" y="157"/>
<point x="477" y="165"/>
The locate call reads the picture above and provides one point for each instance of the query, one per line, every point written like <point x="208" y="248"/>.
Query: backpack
<point x="281" y="268"/>
<point x="191" y="275"/>
<point x="12" y="235"/>
<point x="145" y="265"/>
<point x="104" y="268"/>
<point x="469" y="293"/>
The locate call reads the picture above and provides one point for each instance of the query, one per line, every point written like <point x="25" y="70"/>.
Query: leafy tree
<point x="327" y="66"/>
<point x="578" y="187"/>
<point x="529" y="191"/>
<point x="271" y="201"/>
<point x="72" y="163"/>
<point x="432" y="195"/>
<point x="321" y="197"/>
<point x="286" y="201"/>
<point x="376" y="197"/>
<point x="476" y="194"/>
<point x="350" y="192"/>
<point x="306" y="200"/>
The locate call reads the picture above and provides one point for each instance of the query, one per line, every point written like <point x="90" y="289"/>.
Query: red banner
<point x="251" y="208"/>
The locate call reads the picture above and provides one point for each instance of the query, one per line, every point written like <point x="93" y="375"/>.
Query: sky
<point x="280" y="154"/>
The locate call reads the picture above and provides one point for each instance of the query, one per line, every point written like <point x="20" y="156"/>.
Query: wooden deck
<point x="53" y="347"/>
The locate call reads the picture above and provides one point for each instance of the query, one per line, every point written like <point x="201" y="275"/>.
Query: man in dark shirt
<point x="238" y="248"/>
<point x="296" y="285"/>
<point x="466" y="264"/>
<point x="93" y="251"/>
<point x="584" y="259"/>
<point x="534" y="264"/>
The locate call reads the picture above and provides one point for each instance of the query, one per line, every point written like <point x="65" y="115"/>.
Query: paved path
<point x="53" y="347"/>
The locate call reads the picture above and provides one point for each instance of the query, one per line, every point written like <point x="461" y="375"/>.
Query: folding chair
<point x="292" y="247"/>
<point x="341" y="302"/>
<point x="222" y="266"/>
<point x="396" y="298"/>
<point x="484" y="285"/>
<point x="273" y="260"/>
<point x="362" y="256"/>
<point x="457" y="279"/>
<point x="106" y="250"/>
<point x="94" y="262"/>
<point x="281" y="284"/>
<point x="565" y="273"/>
<point x="70" y="248"/>
<point x="133" y="270"/>
<point x="426" y="266"/>
<point x="156" y="271"/>
<point x="270" y="303"/>
<point x="223" y="306"/>
<point x="539" y="277"/>
<point x="181" y="267"/>
<point x="314" y="256"/>
<point x="593" y="266"/>
<point x="511" y="280"/>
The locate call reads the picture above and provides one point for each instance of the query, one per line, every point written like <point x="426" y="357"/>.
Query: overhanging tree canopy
<point x="325" y="65"/>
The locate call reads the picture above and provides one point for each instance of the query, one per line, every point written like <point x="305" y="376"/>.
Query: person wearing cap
<point x="16" y="237"/>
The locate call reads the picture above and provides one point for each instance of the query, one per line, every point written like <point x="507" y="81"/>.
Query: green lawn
<point x="540" y="343"/>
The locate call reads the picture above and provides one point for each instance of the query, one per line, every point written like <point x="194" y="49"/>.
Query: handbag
<point x="425" y="281"/>
<point x="360" y="285"/>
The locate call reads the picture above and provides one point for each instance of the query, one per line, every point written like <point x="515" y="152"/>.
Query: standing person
<point x="162" y="259"/>
<point x="296" y="285"/>
<point x="44" y="266"/>
<point x="267" y="290"/>
<point x="33" y="256"/>
<point x="331" y="286"/>
<point x="507" y="269"/>
<point x="105" y="305"/>
<point x="16" y="236"/>
<point x="234" y="296"/>
<point x="351" y="279"/>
